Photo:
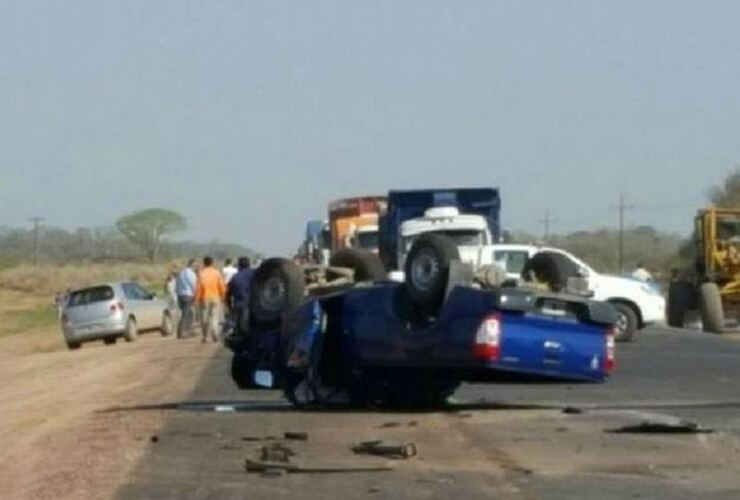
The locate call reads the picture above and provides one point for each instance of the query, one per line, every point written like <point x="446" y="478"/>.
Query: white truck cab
<point x="470" y="233"/>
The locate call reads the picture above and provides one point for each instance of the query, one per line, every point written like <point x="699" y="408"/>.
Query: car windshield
<point x="90" y="296"/>
<point x="462" y="238"/>
<point x="511" y="260"/>
<point x="367" y="240"/>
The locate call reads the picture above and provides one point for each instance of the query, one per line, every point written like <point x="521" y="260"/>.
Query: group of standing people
<point x="205" y="294"/>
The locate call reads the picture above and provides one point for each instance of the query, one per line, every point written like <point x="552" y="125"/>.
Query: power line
<point x="622" y="209"/>
<point x="546" y="221"/>
<point x="36" y="240"/>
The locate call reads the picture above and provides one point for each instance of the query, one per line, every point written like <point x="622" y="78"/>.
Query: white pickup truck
<point x="638" y="304"/>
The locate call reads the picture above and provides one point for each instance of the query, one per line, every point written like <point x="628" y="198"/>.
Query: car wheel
<point x="428" y="269"/>
<point x="109" y="340"/>
<point x="278" y="286"/>
<point x="626" y="325"/>
<point x="131" y="333"/>
<point x="168" y="326"/>
<point x="73" y="345"/>
<point x="366" y="265"/>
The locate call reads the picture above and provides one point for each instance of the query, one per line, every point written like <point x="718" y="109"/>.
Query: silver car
<point x="107" y="312"/>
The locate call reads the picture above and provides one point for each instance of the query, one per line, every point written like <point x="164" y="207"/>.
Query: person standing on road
<point x="170" y="293"/>
<point x="185" y="286"/>
<point x="642" y="274"/>
<point x="228" y="271"/>
<point x="237" y="293"/>
<point x="209" y="295"/>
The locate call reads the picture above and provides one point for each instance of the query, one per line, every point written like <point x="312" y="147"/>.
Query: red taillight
<point x="115" y="307"/>
<point x="610" y="360"/>
<point x="488" y="339"/>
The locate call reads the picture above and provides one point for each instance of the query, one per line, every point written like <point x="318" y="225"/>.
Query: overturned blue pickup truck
<point x="412" y="343"/>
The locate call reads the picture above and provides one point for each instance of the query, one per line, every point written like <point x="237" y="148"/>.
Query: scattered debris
<point x="276" y="452"/>
<point x="413" y="423"/>
<point x="262" y="466"/>
<point x="231" y="447"/>
<point x="296" y="436"/>
<point x="440" y="480"/>
<point x="389" y="425"/>
<point x="374" y="489"/>
<point x="259" y="438"/>
<point x="404" y="451"/>
<point x="677" y="427"/>
<point x="572" y="410"/>
<point x="224" y="408"/>
<point x="154" y="439"/>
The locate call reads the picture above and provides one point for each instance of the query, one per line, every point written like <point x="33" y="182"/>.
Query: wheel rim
<point x="622" y="323"/>
<point x="272" y="294"/>
<point x="424" y="270"/>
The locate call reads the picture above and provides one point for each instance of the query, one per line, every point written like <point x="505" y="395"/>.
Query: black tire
<point x="131" y="332"/>
<point x="168" y="326"/>
<point x="428" y="269"/>
<point x="242" y="371"/>
<point x="277" y="287"/>
<point x="551" y="268"/>
<point x="710" y="306"/>
<point x="109" y="340"/>
<point x="627" y="322"/>
<point x="681" y="298"/>
<point x="73" y="345"/>
<point x="366" y="265"/>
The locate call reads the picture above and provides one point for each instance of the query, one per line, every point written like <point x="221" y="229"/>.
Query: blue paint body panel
<point x="375" y="330"/>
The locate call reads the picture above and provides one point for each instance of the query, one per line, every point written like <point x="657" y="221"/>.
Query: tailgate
<point x="552" y="346"/>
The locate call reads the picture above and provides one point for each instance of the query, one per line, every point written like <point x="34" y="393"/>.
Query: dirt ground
<point x="56" y="440"/>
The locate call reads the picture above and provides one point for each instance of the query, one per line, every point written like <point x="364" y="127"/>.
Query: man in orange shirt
<point x="209" y="295"/>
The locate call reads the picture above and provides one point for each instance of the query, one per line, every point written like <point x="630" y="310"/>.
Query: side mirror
<point x="263" y="378"/>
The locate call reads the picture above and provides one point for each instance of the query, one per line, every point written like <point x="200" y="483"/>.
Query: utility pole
<point x="36" y="240"/>
<point x="622" y="208"/>
<point x="546" y="221"/>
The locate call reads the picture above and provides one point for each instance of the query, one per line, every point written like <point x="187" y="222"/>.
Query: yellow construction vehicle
<point x="712" y="285"/>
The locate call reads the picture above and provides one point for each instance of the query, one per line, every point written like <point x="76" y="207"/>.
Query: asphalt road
<point x="499" y="440"/>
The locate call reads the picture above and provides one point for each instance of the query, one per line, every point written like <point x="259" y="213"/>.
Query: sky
<point x="249" y="117"/>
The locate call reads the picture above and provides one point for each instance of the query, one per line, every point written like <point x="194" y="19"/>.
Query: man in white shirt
<point x="228" y="271"/>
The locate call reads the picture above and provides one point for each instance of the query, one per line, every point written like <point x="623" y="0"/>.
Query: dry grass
<point x="27" y="293"/>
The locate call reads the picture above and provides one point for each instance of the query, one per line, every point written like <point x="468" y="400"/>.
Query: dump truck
<point x="711" y="285"/>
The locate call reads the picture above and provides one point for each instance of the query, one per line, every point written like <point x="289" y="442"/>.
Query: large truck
<point x="353" y="222"/>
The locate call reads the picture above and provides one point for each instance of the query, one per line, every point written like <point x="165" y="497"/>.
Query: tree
<point x="727" y="195"/>
<point x="146" y="228"/>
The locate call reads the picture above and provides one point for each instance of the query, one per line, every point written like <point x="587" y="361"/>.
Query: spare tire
<point x="551" y="268"/>
<point x="428" y="268"/>
<point x="277" y="286"/>
<point x="366" y="265"/>
<point x="681" y="298"/>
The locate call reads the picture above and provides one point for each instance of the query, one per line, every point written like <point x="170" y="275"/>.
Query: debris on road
<point x="316" y="468"/>
<point x="276" y="452"/>
<point x="296" y="436"/>
<point x="648" y="427"/>
<point x="154" y="439"/>
<point x="404" y="451"/>
<point x="572" y="410"/>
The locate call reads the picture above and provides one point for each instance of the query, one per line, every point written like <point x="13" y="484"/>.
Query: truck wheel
<point x="428" y="268"/>
<point x="73" y="345"/>
<point x="626" y="325"/>
<point x="551" y="268"/>
<point x="681" y="298"/>
<point x="366" y="265"/>
<point x="277" y="286"/>
<point x="710" y="305"/>
<point x="130" y="333"/>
